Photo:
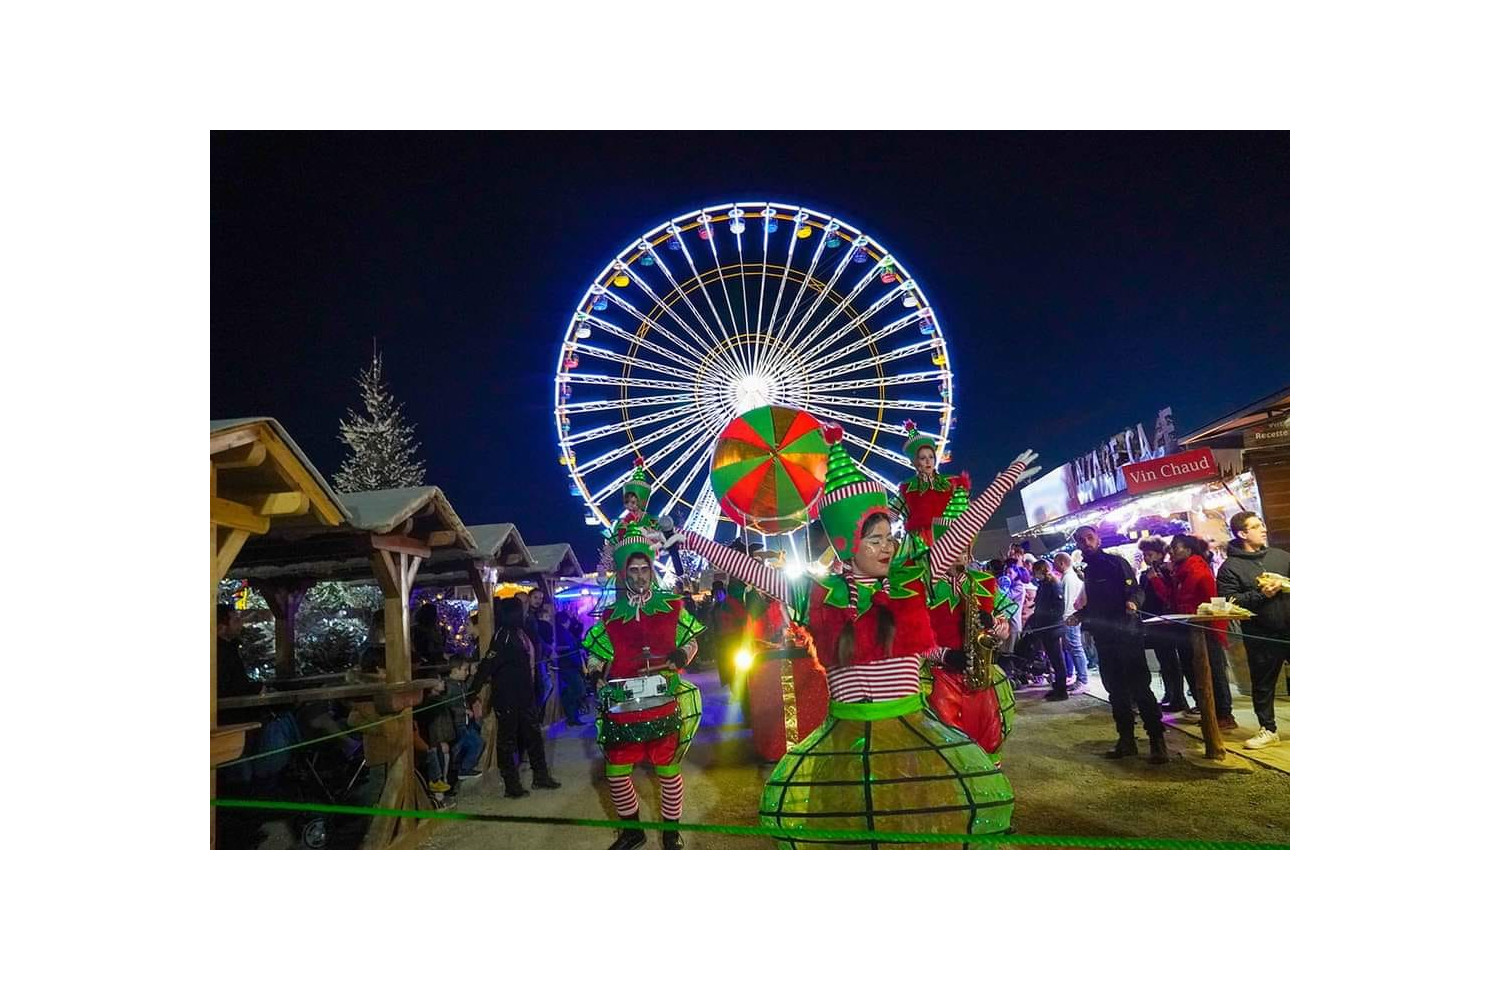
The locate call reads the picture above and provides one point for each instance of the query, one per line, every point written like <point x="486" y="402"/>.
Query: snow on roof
<point x="490" y="539"/>
<point x="382" y="511"/>
<point x="553" y="559"/>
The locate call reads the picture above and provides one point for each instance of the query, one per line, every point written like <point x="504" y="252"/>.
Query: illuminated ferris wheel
<point x="731" y="307"/>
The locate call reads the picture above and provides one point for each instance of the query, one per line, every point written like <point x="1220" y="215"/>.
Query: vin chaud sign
<point x="1191" y="467"/>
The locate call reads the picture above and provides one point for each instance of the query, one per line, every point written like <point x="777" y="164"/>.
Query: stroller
<point x="328" y="772"/>
<point x="1027" y="665"/>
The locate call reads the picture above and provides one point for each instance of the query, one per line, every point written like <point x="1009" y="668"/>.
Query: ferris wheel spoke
<point x="792" y="350"/>
<point x="652" y="418"/>
<point x="625" y="359"/>
<point x="877" y="449"/>
<point x="822" y="410"/>
<point x="765" y="258"/>
<point x="681" y="385"/>
<point x="732" y="348"/>
<point x="786" y="271"/>
<point x="651" y="461"/>
<point x="649" y="345"/>
<point x="801" y="350"/>
<point x="828" y="282"/>
<point x="729" y="305"/>
<point x="754" y="340"/>
<point x="895" y="405"/>
<point x="630" y="448"/>
<point x="644" y="401"/>
<point x="894" y="327"/>
<point x="703" y="456"/>
<point x="666" y="306"/>
<point x="875" y="361"/>
<point x="910" y="378"/>
<point x="699" y="348"/>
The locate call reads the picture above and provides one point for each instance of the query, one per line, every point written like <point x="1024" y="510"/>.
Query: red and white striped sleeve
<point x="962" y="531"/>
<point x="741" y="566"/>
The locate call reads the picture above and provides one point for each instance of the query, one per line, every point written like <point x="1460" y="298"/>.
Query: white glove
<point x="1029" y="457"/>
<point x="1026" y="475"/>
<point x="667" y="524"/>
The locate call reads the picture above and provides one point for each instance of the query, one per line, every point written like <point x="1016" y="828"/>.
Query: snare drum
<point x="625" y="695"/>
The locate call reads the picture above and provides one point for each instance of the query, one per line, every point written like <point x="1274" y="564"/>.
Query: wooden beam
<point x="400" y="543"/>
<point x="232" y="514"/>
<point x="227" y="545"/>
<point x="441" y="538"/>
<point x="240" y="457"/>
<point x="279" y="504"/>
<point x="296" y="475"/>
<point x="231" y="438"/>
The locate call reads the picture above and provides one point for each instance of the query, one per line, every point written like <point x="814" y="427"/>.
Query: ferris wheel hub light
<point x="752" y="391"/>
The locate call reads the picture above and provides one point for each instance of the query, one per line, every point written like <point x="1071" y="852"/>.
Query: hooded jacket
<point x="1273" y="615"/>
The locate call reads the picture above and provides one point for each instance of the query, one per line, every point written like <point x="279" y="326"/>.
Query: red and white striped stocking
<point x="671" y="797"/>
<point x="622" y="796"/>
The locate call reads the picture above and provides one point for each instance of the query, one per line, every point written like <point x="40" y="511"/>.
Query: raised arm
<point x="757" y="574"/>
<point x="961" y="533"/>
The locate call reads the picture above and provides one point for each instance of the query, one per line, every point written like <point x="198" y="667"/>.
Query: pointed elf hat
<point x="638" y="484"/>
<point x="849" y="498"/>
<point x="629" y="539"/>
<point x="957" y="505"/>
<point x="915" y="440"/>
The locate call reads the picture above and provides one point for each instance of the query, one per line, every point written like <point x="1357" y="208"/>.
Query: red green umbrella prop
<point x="769" y="467"/>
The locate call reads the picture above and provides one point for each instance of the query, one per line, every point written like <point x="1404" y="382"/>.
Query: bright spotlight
<point x="743" y="658"/>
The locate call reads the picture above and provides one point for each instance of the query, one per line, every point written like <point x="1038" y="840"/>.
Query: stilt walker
<point x="925" y="496"/>
<point x="648" y="711"/>
<point x="880" y="761"/>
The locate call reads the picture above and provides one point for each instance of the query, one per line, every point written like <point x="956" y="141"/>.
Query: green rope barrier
<point x="756" y="831"/>
<point x="338" y="735"/>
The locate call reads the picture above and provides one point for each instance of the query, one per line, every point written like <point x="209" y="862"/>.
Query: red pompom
<point x="640" y="461"/>
<point x="910" y="426"/>
<point x="833" y="433"/>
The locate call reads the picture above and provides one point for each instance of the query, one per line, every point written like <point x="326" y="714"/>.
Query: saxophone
<point x="979" y="645"/>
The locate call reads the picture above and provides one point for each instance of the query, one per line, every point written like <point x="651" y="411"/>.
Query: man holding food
<point x="1258" y="578"/>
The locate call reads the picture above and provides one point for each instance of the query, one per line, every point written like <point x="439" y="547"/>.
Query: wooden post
<point x="395" y="571"/>
<point x="1208" y="719"/>
<point x="284" y="599"/>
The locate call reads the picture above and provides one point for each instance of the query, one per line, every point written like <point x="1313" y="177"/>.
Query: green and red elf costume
<point x="924" y="499"/>
<point x="983" y="714"/>
<point x="646" y="634"/>
<point x="881" y="761"/>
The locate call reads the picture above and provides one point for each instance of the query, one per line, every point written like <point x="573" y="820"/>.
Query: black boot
<point x="671" y="841"/>
<point x="1124" y="746"/>
<point x="544" y="781"/>
<point x="1158" y="748"/>
<point x="516" y="790"/>
<point x="629" y="838"/>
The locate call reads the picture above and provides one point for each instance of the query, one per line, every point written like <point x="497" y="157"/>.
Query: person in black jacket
<point x="1268" y="637"/>
<point x="509" y="667"/>
<point x="1045" y="625"/>
<point x="1110" y="601"/>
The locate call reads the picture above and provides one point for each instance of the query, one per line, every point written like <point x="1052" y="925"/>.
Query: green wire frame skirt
<point x="885" y="766"/>
<point x="1005" y="693"/>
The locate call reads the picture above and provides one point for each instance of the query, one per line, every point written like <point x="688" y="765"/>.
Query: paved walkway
<point x="1054" y="759"/>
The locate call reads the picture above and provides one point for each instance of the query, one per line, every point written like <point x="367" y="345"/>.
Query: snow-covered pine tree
<point x="382" y="452"/>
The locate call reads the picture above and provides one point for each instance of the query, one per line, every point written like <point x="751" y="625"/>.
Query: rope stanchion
<point x="758" y="831"/>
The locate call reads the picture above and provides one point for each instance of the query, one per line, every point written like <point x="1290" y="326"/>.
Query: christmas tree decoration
<point x="382" y="451"/>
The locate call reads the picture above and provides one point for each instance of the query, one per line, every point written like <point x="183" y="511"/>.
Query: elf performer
<point x="880" y="761"/>
<point x="984" y="713"/>
<point x="646" y="634"/>
<point x="926" y="495"/>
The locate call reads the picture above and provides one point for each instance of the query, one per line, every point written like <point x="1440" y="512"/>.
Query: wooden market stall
<point x="390" y="533"/>
<point x="259" y="482"/>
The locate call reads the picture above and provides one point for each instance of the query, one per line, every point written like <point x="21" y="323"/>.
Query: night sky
<point x="1083" y="281"/>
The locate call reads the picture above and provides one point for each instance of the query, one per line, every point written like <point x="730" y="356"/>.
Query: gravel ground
<point x="1063" y="786"/>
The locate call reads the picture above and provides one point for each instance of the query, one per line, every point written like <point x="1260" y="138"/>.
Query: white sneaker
<point x="1262" y="739"/>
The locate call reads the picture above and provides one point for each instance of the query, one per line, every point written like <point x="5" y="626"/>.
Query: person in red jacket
<point x="1193" y="583"/>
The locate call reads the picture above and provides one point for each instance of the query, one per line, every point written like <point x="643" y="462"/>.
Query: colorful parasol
<point x="769" y="467"/>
